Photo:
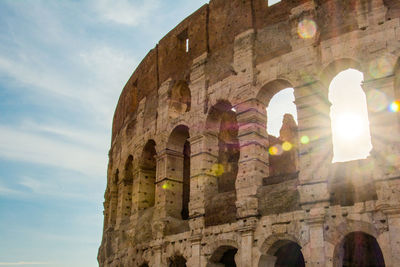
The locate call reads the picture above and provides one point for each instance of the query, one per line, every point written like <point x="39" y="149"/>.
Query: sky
<point x="63" y="65"/>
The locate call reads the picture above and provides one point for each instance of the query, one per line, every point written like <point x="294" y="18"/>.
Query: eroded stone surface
<point x="190" y="179"/>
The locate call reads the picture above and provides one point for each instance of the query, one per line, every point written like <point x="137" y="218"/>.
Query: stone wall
<point x="213" y="98"/>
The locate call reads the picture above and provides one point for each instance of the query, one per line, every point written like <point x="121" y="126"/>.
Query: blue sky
<point x="62" y="67"/>
<point x="63" y="64"/>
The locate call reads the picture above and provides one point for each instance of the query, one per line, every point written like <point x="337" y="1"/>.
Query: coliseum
<point x="191" y="181"/>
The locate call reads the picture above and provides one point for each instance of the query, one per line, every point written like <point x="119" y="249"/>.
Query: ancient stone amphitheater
<point x="191" y="177"/>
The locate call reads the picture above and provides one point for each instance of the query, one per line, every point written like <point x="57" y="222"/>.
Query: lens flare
<point x="217" y="169"/>
<point x="307" y="28"/>
<point x="304" y="140"/>
<point x="286" y="146"/>
<point x="275" y="150"/>
<point x="377" y="100"/>
<point x="165" y="186"/>
<point x="382" y="67"/>
<point x="395" y="106"/>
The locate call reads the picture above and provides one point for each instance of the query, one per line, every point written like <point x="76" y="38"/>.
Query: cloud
<point x="23" y="263"/>
<point x="126" y="12"/>
<point x="20" y="145"/>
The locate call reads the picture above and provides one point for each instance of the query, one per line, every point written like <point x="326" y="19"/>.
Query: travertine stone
<point x="243" y="204"/>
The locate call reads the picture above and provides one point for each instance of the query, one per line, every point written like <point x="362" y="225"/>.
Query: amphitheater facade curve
<point x="191" y="181"/>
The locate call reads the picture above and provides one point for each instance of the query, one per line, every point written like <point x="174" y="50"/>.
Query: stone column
<point x="253" y="162"/>
<point x="315" y="147"/>
<point x="315" y="256"/>
<point x="246" y="245"/>
<point x="203" y="181"/>
<point x="393" y="215"/>
<point x="169" y="184"/>
<point x="370" y="13"/>
<point x="157" y="256"/>
<point x="384" y="127"/>
<point x="195" y="260"/>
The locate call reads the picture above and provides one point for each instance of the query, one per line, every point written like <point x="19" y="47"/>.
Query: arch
<point x="126" y="192"/>
<point x="337" y="66"/>
<point x="351" y="137"/>
<point x="281" y="250"/>
<point x="358" y="249"/>
<point x="271" y="88"/>
<point x="178" y="143"/>
<point x="283" y="159"/>
<point x="114" y="198"/>
<point x="177" y="261"/>
<point x="223" y="256"/>
<point x="179" y="99"/>
<point x="147" y="175"/>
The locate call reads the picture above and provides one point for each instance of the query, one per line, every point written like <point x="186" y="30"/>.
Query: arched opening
<point x="126" y="194"/>
<point x="349" y="117"/>
<point x="359" y="249"/>
<point x="177" y="261"/>
<point x="223" y="144"/>
<point x="228" y="151"/>
<point x="147" y="176"/>
<point x="223" y="256"/>
<point x="178" y="160"/>
<point x="279" y="192"/>
<point x="289" y="255"/>
<point x="281" y="112"/>
<point x="283" y="253"/>
<point x="114" y="198"/>
<point x="179" y="99"/>
<point x="282" y="133"/>
<point x="144" y="265"/>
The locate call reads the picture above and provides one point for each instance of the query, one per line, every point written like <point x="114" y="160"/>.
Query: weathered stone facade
<point x="190" y="179"/>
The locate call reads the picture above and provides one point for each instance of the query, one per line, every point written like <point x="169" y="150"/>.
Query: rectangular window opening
<point x="273" y="2"/>
<point x="183" y="38"/>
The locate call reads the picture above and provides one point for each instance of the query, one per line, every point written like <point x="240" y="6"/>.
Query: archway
<point x="222" y="138"/>
<point x="179" y="99"/>
<point x="283" y="253"/>
<point x="178" y="158"/>
<point x="147" y="175"/>
<point x="359" y="249"/>
<point x="349" y="117"/>
<point x="278" y="98"/>
<point x="223" y="256"/>
<point x="177" y="261"/>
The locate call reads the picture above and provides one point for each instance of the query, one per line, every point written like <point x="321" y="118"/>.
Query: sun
<point x="349" y="126"/>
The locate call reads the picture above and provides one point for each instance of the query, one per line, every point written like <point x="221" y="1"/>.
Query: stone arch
<point x="178" y="154"/>
<point x="281" y="161"/>
<point x="126" y="189"/>
<point x="176" y="261"/>
<point x="222" y="122"/>
<point x="335" y="67"/>
<point x="147" y="175"/>
<point x="221" y="132"/>
<point x="114" y="198"/>
<point x="281" y="250"/>
<point x="179" y="99"/>
<point x="358" y="249"/>
<point x="224" y="253"/>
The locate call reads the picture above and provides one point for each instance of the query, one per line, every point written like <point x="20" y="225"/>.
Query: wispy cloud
<point x="126" y="12"/>
<point x="25" y="146"/>
<point x="23" y="263"/>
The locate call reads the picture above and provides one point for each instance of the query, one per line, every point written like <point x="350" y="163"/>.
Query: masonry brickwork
<point x="190" y="180"/>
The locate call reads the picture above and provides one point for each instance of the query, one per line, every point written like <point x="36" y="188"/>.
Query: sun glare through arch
<point x="349" y="117"/>
<point x="281" y="103"/>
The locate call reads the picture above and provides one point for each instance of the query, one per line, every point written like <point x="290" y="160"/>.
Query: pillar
<point x="253" y="162"/>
